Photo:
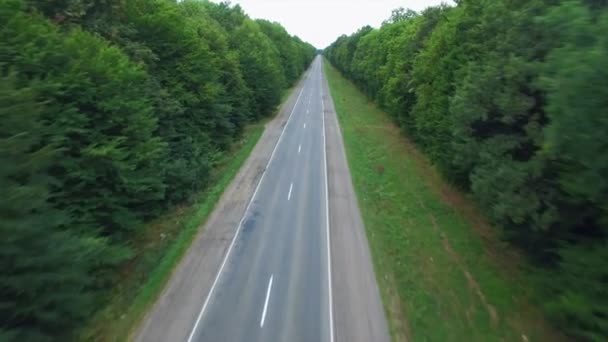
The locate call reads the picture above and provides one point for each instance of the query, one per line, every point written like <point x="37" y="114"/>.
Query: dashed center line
<point x="299" y="148"/>
<point x="201" y="313"/>
<point x="289" y="194"/>
<point x="266" y="302"/>
<point x="304" y="125"/>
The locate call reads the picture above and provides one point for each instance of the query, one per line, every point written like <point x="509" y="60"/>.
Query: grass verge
<point x="443" y="273"/>
<point x="160" y="247"/>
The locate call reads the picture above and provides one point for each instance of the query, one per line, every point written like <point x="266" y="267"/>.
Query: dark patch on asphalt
<point x="249" y="224"/>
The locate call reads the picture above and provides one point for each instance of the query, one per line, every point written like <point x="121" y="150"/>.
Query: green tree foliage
<point x="294" y="58"/>
<point x="102" y="124"/>
<point x="35" y="255"/>
<point x="507" y="98"/>
<point x="261" y="65"/>
<point x="112" y="111"/>
<point x="186" y="69"/>
<point x="269" y="58"/>
<point x="575" y="80"/>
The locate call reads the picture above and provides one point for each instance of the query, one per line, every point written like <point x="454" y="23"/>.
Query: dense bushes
<point x="508" y="99"/>
<point x="111" y="111"/>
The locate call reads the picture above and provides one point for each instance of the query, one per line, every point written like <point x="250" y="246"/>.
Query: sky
<point x="320" y="22"/>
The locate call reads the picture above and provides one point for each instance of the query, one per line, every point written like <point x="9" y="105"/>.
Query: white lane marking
<point x="266" y="302"/>
<point x="299" y="148"/>
<point x="238" y="229"/>
<point x="307" y="111"/>
<point x="305" y="125"/>
<point x="331" y="304"/>
<point x="289" y="194"/>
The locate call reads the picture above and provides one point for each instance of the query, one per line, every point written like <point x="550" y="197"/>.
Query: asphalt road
<point x="265" y="267"/>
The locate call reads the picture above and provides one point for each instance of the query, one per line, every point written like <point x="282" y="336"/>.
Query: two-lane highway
<point x="275" y="280"/>
<point x="284" y="256"/>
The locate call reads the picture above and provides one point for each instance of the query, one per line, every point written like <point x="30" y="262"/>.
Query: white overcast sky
<point x="320" y="22"/>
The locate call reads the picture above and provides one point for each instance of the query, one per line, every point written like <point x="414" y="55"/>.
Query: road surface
<point x="284" y="256"/>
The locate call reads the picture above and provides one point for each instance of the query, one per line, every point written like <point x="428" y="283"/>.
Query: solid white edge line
<point x="289" y="194"/>
<point x="204" y="307"/>
<point x="331" y="302"/>
<point x="266" y="302"/>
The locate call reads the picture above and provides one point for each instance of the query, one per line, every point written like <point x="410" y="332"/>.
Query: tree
<point x="260" y="62"/>
<point x="107" y="167"/>
<point x="400" y="14"/>
<point x="507" y="99"/>
<point x="45" y="283"/>
<point x="575" y="81"/>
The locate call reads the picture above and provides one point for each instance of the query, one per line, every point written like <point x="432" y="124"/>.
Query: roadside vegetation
<point x="507" y="99"/>
<point x="160" y="248"/>
<point x="443" y="274"/>
<point x="113" y="114"/>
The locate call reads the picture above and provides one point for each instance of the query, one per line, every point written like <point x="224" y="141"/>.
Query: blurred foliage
<point x="112" y="111"/>
<point x="508" y="99"/>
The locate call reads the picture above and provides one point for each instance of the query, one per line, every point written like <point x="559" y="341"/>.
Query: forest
<point x="508" y="99"/>
<point x="112" y="112"/>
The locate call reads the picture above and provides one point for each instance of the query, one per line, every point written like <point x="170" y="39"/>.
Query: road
<point x="266" y="266"/>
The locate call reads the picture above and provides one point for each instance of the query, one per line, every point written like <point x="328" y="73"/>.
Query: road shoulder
<point x="358" y="310"/>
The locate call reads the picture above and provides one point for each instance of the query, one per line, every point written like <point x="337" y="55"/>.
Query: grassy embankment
<point x="444" y="274"/>
<point x="161" y="246"/>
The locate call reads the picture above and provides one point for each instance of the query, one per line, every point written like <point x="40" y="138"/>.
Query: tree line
<point x="508" y="98"/>
<point x="111" y="112"/>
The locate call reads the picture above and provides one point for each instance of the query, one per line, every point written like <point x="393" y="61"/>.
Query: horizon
<point x="330" y="18"/>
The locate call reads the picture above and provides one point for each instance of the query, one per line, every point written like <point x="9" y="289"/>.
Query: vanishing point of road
<point x="284" y="256"/>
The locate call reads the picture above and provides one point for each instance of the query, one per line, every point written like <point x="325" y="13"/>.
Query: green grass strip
<point x="443" y="273"/>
